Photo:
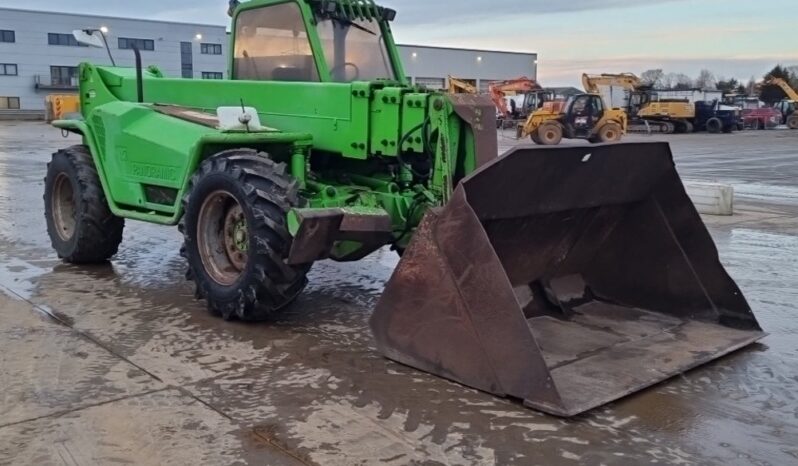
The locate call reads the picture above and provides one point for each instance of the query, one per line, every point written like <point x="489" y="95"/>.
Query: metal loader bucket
<point x="567" y="277"/>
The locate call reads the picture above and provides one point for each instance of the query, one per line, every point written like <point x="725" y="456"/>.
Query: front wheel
<point x="610" y="132"/>
<point x="714" y="125"/>
<point x="81" y="226"/>
<point x="236" y="238"/>
<point x="550" y="134"/>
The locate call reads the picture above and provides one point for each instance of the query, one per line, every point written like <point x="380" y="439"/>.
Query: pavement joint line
<point x="188" y="393"/>
<point x="266" y="439"/>
<point x="281" y="448"/>
<point x="93" y="405"/>
<point x="81" y="333"/>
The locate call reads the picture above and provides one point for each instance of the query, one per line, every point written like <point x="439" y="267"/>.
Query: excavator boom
<point x="499" y="90"/>
<point x="791" y="93"/>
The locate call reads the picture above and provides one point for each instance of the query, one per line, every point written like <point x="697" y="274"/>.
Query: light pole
<point x="103" y="30"/>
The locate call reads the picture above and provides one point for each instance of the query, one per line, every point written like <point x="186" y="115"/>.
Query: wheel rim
<point x="63" y="207"/>
<point x="610" y="135"/>
<point x="222" y="237"/>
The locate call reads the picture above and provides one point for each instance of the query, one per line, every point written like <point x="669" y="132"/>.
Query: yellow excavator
<point x="646" y="112"/>
<point x="461" y="86"/>
<point x="583" y="116"/>
<point x="788" y="106"/>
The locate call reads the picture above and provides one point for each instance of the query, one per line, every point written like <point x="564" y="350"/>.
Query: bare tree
<point x="750" y="88"/>
<point x="706" y="80"/>
<point x="682" y="82"/>
<point x="652" y="77"/>
<point x="668" y="81"/>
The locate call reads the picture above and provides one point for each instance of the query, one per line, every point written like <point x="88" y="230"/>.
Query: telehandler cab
<point x="567" y="277"/>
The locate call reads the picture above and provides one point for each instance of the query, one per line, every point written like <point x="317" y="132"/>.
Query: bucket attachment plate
<point x="567" y="277"/>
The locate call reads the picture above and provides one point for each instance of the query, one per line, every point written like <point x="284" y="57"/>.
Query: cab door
<point x="584" y="114"/>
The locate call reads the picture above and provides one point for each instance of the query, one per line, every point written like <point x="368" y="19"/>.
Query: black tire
<point x="792" y="122"/>
<point x="714" y="125"/>
<point x="550" y="133"/>
<point x="82" y="228"/>
<point x="610" y="132"/>
<point x="256" y="281"/>
<point x="688" y="127"/>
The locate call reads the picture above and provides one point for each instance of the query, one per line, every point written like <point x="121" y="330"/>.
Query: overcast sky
<point x="733" y="38"/>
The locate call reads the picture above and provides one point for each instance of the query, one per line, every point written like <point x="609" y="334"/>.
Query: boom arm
<point x="791" y="93"/>
<point x="458" y="86"/>
<point x="499" y="89"/>
<point x="591" y="82"/>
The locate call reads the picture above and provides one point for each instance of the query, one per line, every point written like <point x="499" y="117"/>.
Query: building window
<point x="7" y="36"/>
<point x="126" y="43"/>
<point x="211" y="49"/>
<point x="212" y="75"/>
<point x="64" y="75"/>
<point x="54" y="38"/>
<point x="8" y="69"/>
<point x="9" y="103"/>
<point x="186" y="60"/>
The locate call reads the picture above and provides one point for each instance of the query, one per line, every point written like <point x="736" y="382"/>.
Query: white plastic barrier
<point x="711" y="198"/>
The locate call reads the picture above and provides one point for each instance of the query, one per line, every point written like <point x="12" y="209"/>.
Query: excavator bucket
<point x="566" y="277"/>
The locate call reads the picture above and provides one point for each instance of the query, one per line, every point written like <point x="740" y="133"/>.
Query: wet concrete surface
<point x="119" y="363"/>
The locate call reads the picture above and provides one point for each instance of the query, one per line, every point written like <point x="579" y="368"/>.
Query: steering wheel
<point x="334" y="70"/>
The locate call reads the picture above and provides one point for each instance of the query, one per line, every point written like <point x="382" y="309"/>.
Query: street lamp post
<point x="103" y="31"/>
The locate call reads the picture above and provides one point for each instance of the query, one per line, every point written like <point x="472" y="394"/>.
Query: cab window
<point x="271" y="44"/>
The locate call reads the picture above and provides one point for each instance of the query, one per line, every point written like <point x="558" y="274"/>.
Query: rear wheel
<point x="792" y="122"/>
<point x="550" y="134"/>
<point x="82" y="228"/>
<point x="236" y="238"/>
<point x="714" y="125"/>
<point x="610" y="132"/>
<point x="688" y="127"/>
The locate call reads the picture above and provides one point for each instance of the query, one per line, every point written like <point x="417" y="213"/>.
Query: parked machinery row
<point x="649" y="112"/>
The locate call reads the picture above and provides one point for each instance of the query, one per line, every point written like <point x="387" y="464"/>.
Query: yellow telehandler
<point x="584" y="116"/>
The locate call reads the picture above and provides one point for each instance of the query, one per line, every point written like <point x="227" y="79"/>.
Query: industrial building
<point x="39" y="55"/>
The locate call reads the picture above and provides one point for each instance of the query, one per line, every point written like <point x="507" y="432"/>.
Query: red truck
<point x="761" y="118"/>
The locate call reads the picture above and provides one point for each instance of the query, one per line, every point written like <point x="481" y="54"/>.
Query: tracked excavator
<point x="532" y="96"/>
<point x="564" y="277"/>
<point x="499" y="90"/>
<point x="461" y="86"/>
<point x="788" y="106"/>
<point x="646" y="112"/>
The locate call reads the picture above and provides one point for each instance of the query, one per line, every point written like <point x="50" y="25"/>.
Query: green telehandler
<point x="565" y="277"/>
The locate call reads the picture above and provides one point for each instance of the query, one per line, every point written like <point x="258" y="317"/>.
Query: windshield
<point x="354" y="49"/>
<point x="271" y="44"/>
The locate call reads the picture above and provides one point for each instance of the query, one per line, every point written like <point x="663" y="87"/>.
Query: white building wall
<point x="480" y="66"/>
<point x="34" y="56"/>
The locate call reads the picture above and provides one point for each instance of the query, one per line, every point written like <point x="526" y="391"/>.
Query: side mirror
<point x="88" y="37"/>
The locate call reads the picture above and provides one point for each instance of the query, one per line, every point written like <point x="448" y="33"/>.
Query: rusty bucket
<point x="567" y="277"/>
